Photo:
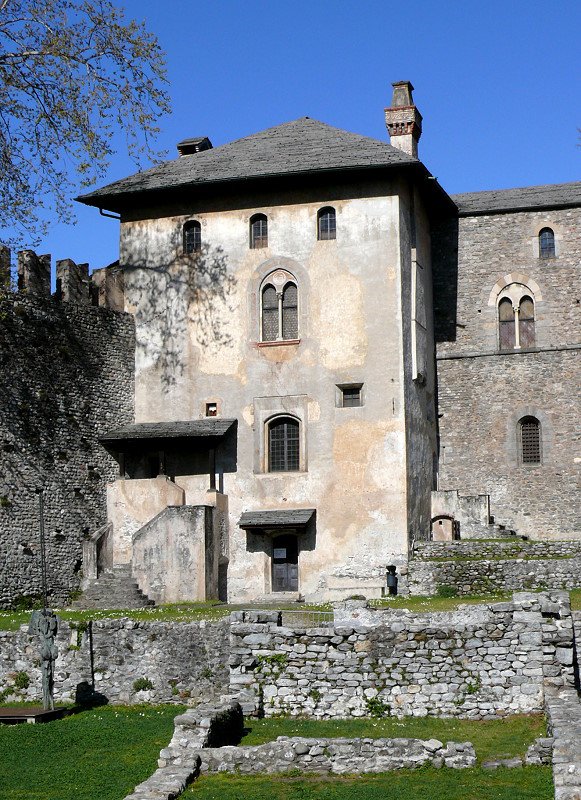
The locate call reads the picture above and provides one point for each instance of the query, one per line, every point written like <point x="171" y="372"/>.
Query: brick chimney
<point x="403" y="120"/>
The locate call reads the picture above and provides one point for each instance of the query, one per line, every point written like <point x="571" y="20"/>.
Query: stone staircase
<point x="114" y="588"/>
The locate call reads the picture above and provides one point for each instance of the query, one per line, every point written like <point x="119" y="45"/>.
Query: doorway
<point x="285" y="563"/>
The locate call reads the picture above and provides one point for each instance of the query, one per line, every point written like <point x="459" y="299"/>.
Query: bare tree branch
<point x="73" y="74"/>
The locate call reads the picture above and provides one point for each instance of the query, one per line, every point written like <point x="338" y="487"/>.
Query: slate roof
<point x="200" y="428"/>
<point x="557" y="195"/>
<point x="284" y="518"/>
<point x="302" y="146"/>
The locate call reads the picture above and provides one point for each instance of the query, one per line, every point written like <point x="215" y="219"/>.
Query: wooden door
<point x="285" y="563"/>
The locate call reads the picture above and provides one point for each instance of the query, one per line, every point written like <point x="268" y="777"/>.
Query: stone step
<point x="114" y="589"/>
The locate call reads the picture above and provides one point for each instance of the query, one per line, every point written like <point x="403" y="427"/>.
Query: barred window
<point x="192" y="237"/>
<point x="283" y="445"/>
<point x="326" y="223"/>
<point x="546" y="243"/>
<point x="258" y="231"/>
<point x="280" y="313"/>
<point x="530" y="440"/>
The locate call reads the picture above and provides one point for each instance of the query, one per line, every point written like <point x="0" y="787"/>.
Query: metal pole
<point x="42" y="548"/>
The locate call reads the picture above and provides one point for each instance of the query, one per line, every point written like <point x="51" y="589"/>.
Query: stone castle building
<point x="332" y="357"/>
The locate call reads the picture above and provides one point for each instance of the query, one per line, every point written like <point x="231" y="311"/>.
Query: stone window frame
<point x="553" y="247"/>
<point x="535" y="245"/>
<point x="516" y="287"/>
<point x="513" y="442"/>
<point x="267" y="409"/>
<point x="300" y="277"/>
<point x="279" y="279"/>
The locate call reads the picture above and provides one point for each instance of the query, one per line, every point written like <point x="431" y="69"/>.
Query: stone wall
<point x="66" y="376"/>
<point x="180" y="662"/>
<point x="473" y="663"/>
<point x="479" y="437"/>
<point x="337" y="756"/>
<point x="472" y="512"/>
<point x="494" y="549"/>
<point x="473" y="253"/>
<point x="485" y="576"/>
<point x="482" y="393"/>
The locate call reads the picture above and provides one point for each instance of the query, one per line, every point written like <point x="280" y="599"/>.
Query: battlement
<point x="104" y="287"/>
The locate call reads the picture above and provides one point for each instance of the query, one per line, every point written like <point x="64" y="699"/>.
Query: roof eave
<point x="515" y="208"/>
<point x="119" y="201"/>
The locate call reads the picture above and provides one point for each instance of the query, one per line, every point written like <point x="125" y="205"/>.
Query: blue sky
<point x="498" y="84"/>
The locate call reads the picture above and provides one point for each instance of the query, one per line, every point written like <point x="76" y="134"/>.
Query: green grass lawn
<point x="436" y="603"/>
<point x="101" y="754"/>
<point x="496" y="738"/>
<point x="529" y="783"/>
<point x="214" y="610"/>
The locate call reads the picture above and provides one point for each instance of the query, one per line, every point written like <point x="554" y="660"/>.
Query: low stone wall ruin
<point x="337" y="756"/>
<point x="478" y="664"/>
<point x="173" y="662"/>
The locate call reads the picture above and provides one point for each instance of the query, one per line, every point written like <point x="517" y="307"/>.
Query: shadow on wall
<point x="188" y="297"/>
<point x="445" y="272"/>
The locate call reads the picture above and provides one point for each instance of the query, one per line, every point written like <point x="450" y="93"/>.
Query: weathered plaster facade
<point x="198" y="343"/>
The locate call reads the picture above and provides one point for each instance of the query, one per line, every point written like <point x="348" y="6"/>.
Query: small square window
<point x="211" y="409"/>
<point x="350" y="396"/>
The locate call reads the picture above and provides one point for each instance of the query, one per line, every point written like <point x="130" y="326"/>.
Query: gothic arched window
<point x="326" y="223"/>
<point x="258" y="231"/>
<point x="192" y="237"/>
<point x="279" y="312"/>
<point x="547" y="243"/>
<point x="283" y="445"/>
<point x="529" y="434"/>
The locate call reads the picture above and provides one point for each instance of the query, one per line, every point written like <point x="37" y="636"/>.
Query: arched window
<point x="506" y="325"/>
<point x="326" y="223"/>
<point x="283" y="445"/>
<point x="546" y="243"/>
<point x="280" y="312"/>
<point x="258" y="231"/>
<point x="516" y="320"/>
<point x="526" y="322"/>
<point x="529" y="433"/>
<point x="192" y="237"/>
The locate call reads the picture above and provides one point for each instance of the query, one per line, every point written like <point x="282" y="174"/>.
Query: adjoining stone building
<point x="508" y="330"/>
<point x="290" y="424"/>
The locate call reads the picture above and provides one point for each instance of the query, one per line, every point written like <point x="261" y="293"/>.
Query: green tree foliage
<point x="73" y="74"/>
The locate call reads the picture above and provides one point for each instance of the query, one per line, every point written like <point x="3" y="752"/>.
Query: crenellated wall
<point x="66" y="376"/>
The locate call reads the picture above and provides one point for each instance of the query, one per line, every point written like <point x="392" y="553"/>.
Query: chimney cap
<point x="402" y="94"/>
<point x="188" y="147"/>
